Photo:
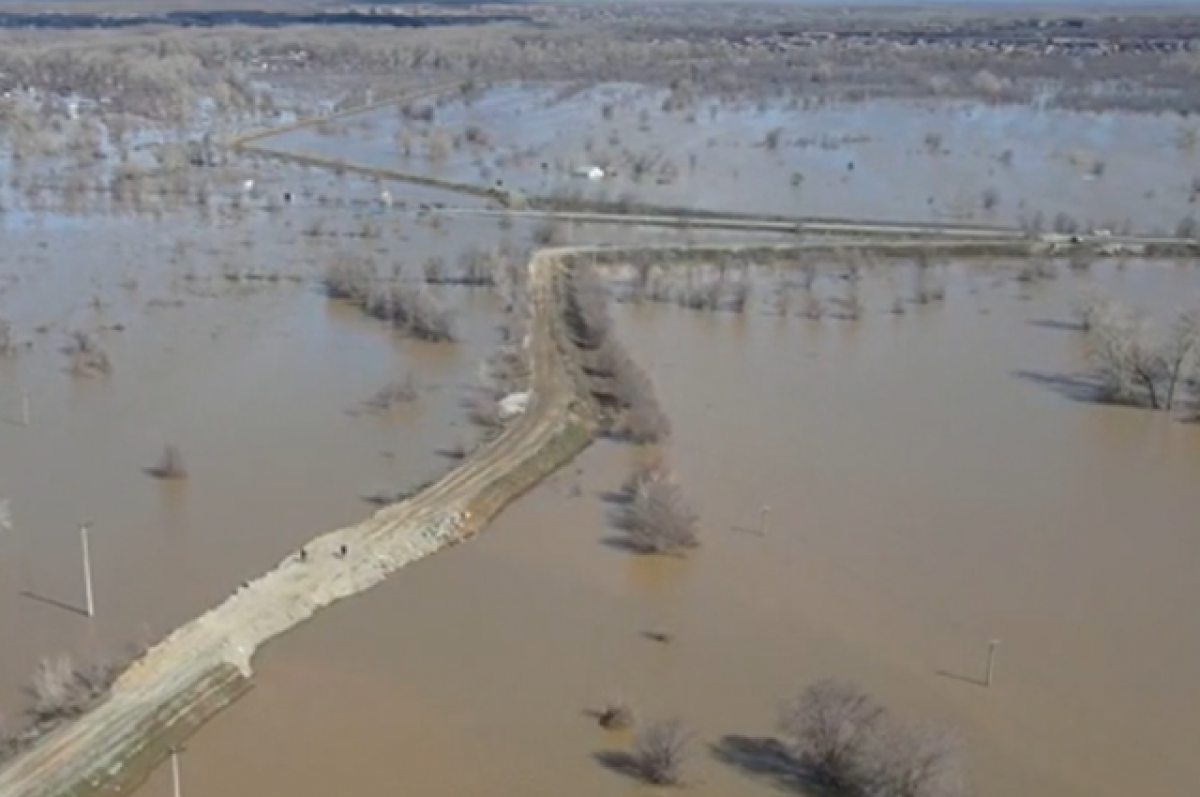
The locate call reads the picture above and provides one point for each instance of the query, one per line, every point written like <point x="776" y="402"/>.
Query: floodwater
<point x="932" y="485"/>
<point x="877" y="159"/>
<point x="222" y="344"/>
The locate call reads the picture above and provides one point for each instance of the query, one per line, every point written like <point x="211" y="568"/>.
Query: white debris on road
<point x="513" y="405"/>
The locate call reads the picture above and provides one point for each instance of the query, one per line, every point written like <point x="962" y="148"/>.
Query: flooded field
<point x="892" y="160"/>
<point x="892" y="464"/>
<point x="222" y="342"/>
<point x="931" y="487"/>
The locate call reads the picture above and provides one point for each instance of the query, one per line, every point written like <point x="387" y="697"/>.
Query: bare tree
<point x="413" y="312"/>
<point x="349" y="278"/>
<point x="660" y="751"/>
<point x="911" y="759"/>
<point x="658" y="517"/>
<point x="60" y="691"/>
<point x="1136" y="365"/>
<point x="88" y="357"/>
<point x="1089" y="309"/>
<point x="840" y="738"/>
<point x="830" y="731"/>
<point x="644" y="421"/>
<point x="54" y="690"/>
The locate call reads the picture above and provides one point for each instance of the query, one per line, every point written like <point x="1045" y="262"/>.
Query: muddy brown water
<point x="255" y="380"/>
<point x="933" y="483"/>
<point x="928" y="492"/>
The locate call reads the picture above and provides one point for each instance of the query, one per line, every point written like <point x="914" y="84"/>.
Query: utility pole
<point x="762" y="520"/>
<point x="87" y="569"/>
<point x="175" y="781"/>
<point x="991" y="661"/>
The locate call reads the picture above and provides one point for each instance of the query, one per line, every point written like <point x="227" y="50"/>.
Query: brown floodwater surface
<point x="934" y="483"/>
<point x="255" y="383"/>
<point x="223" y="344"/>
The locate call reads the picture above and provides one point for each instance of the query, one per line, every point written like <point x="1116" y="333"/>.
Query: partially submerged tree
<point x="660" y="751"/>
<point x="617" y="381"/>
<point x="658" y="517"/>
<point x="393" y="394"/>
<point x="913" y="759"/>
<point x="1137" y="364"/>
<point x="88" y="356"/>
<point x="841" y="739"/>
<point x="829" y="730"/>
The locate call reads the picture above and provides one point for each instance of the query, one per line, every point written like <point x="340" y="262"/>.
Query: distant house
<point x="589" y="172"/>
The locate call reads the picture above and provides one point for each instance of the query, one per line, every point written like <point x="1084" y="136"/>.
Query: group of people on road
<point x="340" y="553"/>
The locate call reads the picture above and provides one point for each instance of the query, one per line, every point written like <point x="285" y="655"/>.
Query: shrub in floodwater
<point x="660" y="751"/>
<point x="657" y="516"/>
<point x="88" y="356"/>
<point x="349" y="279"/>
<point x="616" y="379"/>
<point x="617" y="713"/>
<point x="840" y="739"/>
<point x="392" y="394"/>
<point x="412" y="311"/>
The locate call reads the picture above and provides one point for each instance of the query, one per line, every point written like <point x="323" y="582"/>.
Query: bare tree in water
<point x="1137" y="364"/>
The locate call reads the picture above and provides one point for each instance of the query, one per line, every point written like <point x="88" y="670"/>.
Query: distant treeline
<point x="246" y="18"/>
